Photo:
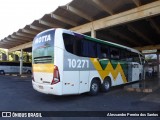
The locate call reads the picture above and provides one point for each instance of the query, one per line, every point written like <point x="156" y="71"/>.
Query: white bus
<point x="7" y="67"/>
<point x="65" y="62"/>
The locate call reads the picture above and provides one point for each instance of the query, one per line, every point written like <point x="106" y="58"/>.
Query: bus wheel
<point x="140" y="77"/>
<point x="29" y="72"/>
<point x="94" y="88"/>
<point x="106" y="85"/>
<point x="2" y="72"/>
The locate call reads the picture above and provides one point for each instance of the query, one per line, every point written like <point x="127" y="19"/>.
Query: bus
<point x="65" y="63"/>
<point x="8" y="67"/>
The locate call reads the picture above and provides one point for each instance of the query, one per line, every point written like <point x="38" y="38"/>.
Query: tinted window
<point x="115" y="53"/>
<point x="136" y="58"/>
<point x="85" y="48"/>
<point x="103" y="51"/>
<point x="69" y="42"/>
<point x="80" y="46"/>
<point x="89" y="48"/>
<point x="133" y="57"/>
<point x="123" y="55"/>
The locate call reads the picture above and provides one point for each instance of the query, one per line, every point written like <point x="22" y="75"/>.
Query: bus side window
<point x="80" y="46"/>
<point x="88" y="48"/>
<point x="68" y="42"/>
<point x="92" y="46"/>
<point x="129" y="57"/>
<point x="142" y="60"/>
<point x="123" y="55"/>
<point x="84" y="48"/>
<point x="72" y="44"/>
<point x="115" y="54"/>
<point x="103" y="51"/>
<point x="136" y="57"/>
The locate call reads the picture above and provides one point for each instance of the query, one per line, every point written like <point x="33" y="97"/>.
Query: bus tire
<point x="2" y="72"/>
<point x="29" y="72"/>
<point x="94" y="87"/>
<point x="140" y="77"/>
<point x="106" y="84"/>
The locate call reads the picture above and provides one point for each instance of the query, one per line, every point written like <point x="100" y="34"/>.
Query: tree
<point x="149" y="57"/>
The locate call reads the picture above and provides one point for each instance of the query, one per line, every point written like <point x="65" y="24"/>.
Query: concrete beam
<point x="103" y="7"/>
<point x="49" y="24"/>
<point x="14" y="40"/>
<point x="36" y="28"/>
<point x="19" y="37"/>
<point x="139" y="33"/>
<point x="79" y="13"/>
<point x="5" y="46"/>
<point x="154" y="25"/>
<point x="5" y="41"/>
<point x="150" y="47"/>
<point x="121" y="18"/>
<point x="29" y="31"/>
<point x="129" y="39"/>
<point x="24" y="35"/>
<point x="19" y="47"/>
<point x="64" y="20"/>
<point x="137" y="2"/>
<point x="105" y="36"/>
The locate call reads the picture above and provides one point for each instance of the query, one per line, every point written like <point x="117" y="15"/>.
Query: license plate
<point x="40" y="87"/>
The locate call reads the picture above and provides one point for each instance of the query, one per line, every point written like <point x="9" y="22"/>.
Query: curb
<point x="145" y="90"/>
<point x="14" y="75"/>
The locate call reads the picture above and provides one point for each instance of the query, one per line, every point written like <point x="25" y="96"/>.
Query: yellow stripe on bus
<point x="48" y="68"/>
<point x="109" y="69"/>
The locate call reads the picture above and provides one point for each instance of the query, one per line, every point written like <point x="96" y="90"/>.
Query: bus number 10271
<point x="73" y="63"/>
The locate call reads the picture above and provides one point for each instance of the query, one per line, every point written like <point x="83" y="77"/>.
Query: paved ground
<point x="17" y="94"/>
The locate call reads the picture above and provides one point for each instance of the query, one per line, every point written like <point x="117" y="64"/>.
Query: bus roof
<point x="95" y="39"/>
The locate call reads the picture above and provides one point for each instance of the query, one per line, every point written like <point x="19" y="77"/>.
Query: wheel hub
<point x="94" y="87"/>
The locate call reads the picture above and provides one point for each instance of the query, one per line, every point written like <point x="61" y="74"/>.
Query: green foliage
<point x="2" y="50"/>
<point x="11" y="55"/>
<point x="148" y="57"/>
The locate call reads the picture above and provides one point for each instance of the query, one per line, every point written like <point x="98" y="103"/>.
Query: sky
<point x="16" y="14"/>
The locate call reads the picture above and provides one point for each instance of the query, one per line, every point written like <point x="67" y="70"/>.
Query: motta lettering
<point x="43" y="39"/>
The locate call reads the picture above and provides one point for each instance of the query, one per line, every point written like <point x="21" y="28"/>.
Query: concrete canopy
<point x="135" y="23"/>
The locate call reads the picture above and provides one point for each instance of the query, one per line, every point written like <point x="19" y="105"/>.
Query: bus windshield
<point x="43" y="50"/>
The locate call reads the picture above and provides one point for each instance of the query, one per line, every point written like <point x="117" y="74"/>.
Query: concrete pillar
<point x="7" y="53"/>
<point x="21" y="62"/>
<point x="93" y="33"/>
<point x="158" y="64"/>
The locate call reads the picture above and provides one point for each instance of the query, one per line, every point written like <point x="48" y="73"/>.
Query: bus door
<point x="129" y="71"/>
<point x="83" y="83"/>
<point x="135" y="71"/>
<point x="133" y="66"/>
